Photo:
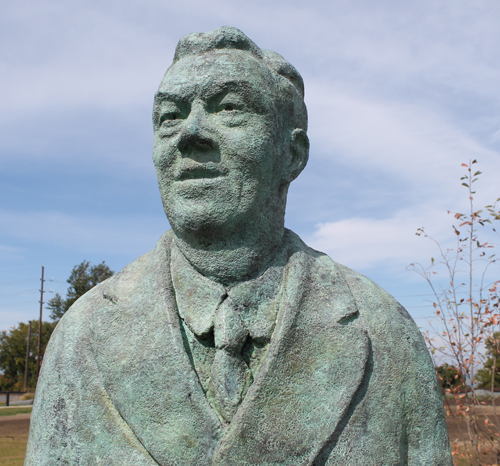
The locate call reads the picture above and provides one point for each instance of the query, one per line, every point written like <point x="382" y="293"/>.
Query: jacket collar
<point x="301" y="394"/>
<point x="198" y="297"/>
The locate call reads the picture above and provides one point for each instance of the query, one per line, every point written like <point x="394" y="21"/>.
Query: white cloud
<point x="411" y="143"/>
<point x="363" y="243"/>
<point x="372" y="59"/>
<point x="391" y="244"/>
<point x="103" y="53"/>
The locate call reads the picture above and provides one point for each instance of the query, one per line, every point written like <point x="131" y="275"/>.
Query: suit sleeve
<point x="427" y="434"/>
<point x="74" y="422"/>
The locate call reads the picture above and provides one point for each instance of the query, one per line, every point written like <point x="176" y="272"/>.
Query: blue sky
<point x="399" y="95"/>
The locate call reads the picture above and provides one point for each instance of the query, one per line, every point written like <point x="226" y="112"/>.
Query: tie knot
<point x="230" y="333"/>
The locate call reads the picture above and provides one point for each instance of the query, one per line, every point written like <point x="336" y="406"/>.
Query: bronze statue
<point x="232" y="342"/>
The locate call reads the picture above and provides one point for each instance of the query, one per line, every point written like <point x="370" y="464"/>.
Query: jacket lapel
<point x="314" y="366"/>
<point x="147" y="373"/>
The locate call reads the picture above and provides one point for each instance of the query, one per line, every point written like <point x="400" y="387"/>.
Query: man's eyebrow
<point x="214" y="88"/>
<point x="214" y="91"/>
<point x="162" y="96"/>
<point x="234" y="85"/>
<point x="248" y="89"/>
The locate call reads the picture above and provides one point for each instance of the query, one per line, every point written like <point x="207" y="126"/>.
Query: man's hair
<point x="288" y="80"/>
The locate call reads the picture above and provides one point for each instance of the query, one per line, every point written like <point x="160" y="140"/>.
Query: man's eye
<point x="171" y="116"/>
<point x="229" y="107"/>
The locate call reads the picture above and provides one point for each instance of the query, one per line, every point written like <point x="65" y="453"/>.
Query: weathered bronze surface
<point x="232" y="342"/>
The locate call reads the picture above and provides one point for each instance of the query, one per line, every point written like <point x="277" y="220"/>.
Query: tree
<point x="13" y="354"/>
<point x="467" y="311"/>
<point x="491" y="368"/>
<point x="83" y="278"/>
<point x="13" y="343"/>
<point x="449" y="376"/>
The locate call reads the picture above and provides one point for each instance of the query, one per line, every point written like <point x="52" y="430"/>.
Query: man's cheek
<point x="163" y="156"/>
<point x="245" y="150"/>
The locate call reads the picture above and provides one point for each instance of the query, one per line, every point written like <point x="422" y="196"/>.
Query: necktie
<point x="230" y="376"/>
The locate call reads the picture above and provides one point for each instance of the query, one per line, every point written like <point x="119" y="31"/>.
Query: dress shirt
<point x="257" y="302"/>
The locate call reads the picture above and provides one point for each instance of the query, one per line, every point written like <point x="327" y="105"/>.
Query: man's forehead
<point x="211" y="71"/>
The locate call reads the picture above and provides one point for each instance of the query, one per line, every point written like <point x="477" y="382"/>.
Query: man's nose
<point x="196" y="135"/>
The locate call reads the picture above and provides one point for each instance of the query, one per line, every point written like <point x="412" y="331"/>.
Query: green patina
<point x="232" y="342"/>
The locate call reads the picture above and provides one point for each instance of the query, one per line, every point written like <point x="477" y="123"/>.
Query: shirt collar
<point x="198" y="297"/>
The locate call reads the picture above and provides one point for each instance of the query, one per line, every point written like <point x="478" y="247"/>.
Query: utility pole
<point x="39" y="352"/>
<point x="26" y="370"/>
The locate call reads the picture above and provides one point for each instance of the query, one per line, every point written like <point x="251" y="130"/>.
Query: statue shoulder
<point x="112" y="294"/>
<point x="372" y="297"/>
<point x="331" y="284"/>
<point x="388" y="323"/>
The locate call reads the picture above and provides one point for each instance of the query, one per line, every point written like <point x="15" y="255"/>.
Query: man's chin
<point x="195" y="218"/>
<point x="205" y="190"/>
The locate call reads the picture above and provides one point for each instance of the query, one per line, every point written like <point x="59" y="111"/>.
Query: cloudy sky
<point x="399" y="95"/>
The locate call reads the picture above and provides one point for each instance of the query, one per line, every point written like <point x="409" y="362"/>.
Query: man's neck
<point x="233" y="260"/>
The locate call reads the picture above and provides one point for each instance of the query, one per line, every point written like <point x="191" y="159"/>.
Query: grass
<point x="13" y="436"/>
<point x="12" y="451"/>
<point x="14" y="410"/>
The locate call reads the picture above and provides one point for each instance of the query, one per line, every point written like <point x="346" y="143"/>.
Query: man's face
<point x="217" y="147"/>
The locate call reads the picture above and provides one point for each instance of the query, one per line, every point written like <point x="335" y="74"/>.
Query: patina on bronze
<point x="232" y="342"/>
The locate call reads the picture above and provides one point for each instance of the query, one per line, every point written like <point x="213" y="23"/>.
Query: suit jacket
<point x="347" y="379"/>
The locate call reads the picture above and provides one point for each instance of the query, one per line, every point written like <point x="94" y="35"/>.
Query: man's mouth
<point x="199" y="173"/>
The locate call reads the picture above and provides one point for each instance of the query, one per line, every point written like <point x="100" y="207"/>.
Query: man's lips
<point x="198" y="172"/>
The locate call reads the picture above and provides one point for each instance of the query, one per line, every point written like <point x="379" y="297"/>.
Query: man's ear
<point x="299" y="151"/>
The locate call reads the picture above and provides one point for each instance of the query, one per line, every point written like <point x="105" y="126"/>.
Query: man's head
<point x="230" y="134"/>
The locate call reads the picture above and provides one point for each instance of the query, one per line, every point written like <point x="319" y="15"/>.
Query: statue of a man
<point x="232" y="342"/>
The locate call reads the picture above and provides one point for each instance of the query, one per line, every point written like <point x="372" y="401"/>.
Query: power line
<point x="424" y="317"/>
<point x="431" y="294"/>
<point x="415" y="307"/>
<point x="17" y="293"/>
<point x="19" y="281"/>
<point x="28" y="280"/>
<point x="21" y="304"/>
<point x="18" y="267"/>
